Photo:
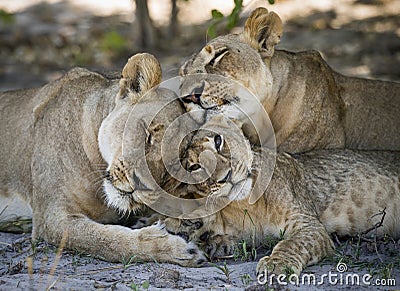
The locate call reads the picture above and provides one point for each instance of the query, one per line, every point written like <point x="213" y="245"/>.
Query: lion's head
<point x="130" y="137"/>
<point x="220" y="152"/>
<point x="242" y="57"/>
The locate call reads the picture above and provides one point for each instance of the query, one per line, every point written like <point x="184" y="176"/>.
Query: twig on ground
<point x="378" y="224"/>
<point x="375" y="228"/>
<point x="96" y="271"/>
<point x="57" y="259"/>
<point x="4" y="243"/>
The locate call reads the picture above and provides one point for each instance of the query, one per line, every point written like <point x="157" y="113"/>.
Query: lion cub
<point x="59" y="141"/>
<point x="310" y="105"/>
<point x="309" y="197"/>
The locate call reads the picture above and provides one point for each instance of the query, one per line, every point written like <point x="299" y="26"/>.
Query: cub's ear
<point x="141" y="73"/>
<point x="262" y="31"/>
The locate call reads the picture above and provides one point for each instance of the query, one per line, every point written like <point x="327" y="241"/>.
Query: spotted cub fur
<point x="310" y="196"/>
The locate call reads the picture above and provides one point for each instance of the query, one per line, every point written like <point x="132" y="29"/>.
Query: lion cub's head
<point x="220" y="152"/>
<point x="242" y="57"/>
<point x="130" y="136"/>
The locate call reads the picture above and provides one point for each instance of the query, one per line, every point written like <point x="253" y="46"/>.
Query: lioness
<point x="310" y="105"/>
<point x="310" y="196"/>
<point x="56" y="143"/>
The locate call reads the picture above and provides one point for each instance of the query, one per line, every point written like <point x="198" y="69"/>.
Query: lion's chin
<point x="122" y="201"/>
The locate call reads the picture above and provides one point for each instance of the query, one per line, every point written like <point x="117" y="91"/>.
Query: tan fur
<point x="309" y="197"/>
<point x="310" y="105"/>
<point x="227" y="167"/>
<point x="56" y="144"/>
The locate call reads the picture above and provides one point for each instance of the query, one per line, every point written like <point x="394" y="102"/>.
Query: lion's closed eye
<point x="219" y="54"/>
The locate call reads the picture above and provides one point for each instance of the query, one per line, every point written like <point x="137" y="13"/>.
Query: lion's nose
<point x="195" y="95"/>
<point x="192" y="98"/>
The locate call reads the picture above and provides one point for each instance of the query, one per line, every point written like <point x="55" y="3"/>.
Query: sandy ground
<point x="358" y="38"/>
<point x="27" y="266"/>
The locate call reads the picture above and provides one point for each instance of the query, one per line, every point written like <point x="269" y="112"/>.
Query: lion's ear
<point x="141" y="73"/>
<point x="263" y="30"/>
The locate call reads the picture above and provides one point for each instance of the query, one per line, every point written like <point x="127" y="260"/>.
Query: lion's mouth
<point x="124" y="200"/>
<point x="123" y="192"/>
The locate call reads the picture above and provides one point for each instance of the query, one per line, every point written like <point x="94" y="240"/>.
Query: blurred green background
<point x="41" y="40"/>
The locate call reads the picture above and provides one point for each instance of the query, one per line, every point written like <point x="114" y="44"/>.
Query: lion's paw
<point x="184" y="253"/>
<point x="172" y="248"/>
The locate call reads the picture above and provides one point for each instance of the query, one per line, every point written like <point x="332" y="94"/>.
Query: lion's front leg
<point x="306" y="245"/>
<point x="115" y="243"/>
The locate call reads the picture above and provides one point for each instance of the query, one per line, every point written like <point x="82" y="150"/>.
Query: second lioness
<point x="309" y="197"/>
<point x="310" y="105"/>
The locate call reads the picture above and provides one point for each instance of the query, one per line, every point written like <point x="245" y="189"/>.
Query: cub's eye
<point x="218" y="141"/>
<point x="194" y="167"/>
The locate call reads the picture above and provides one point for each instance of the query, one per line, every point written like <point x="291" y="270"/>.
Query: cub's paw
<point x="278" y="265"/>
<point x="147" y="220"/>
<point x="217" y="246"/>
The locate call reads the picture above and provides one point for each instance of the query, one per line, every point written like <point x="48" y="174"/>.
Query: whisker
<point x="98" y="182"/>
<point x="100" y="192"/>
<point x="101" y="164"/>
<point x="97" y="175"/>
<point x="99" y="167"/>
<point x="100" y="173"/>
<point x="210" y="201"/>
